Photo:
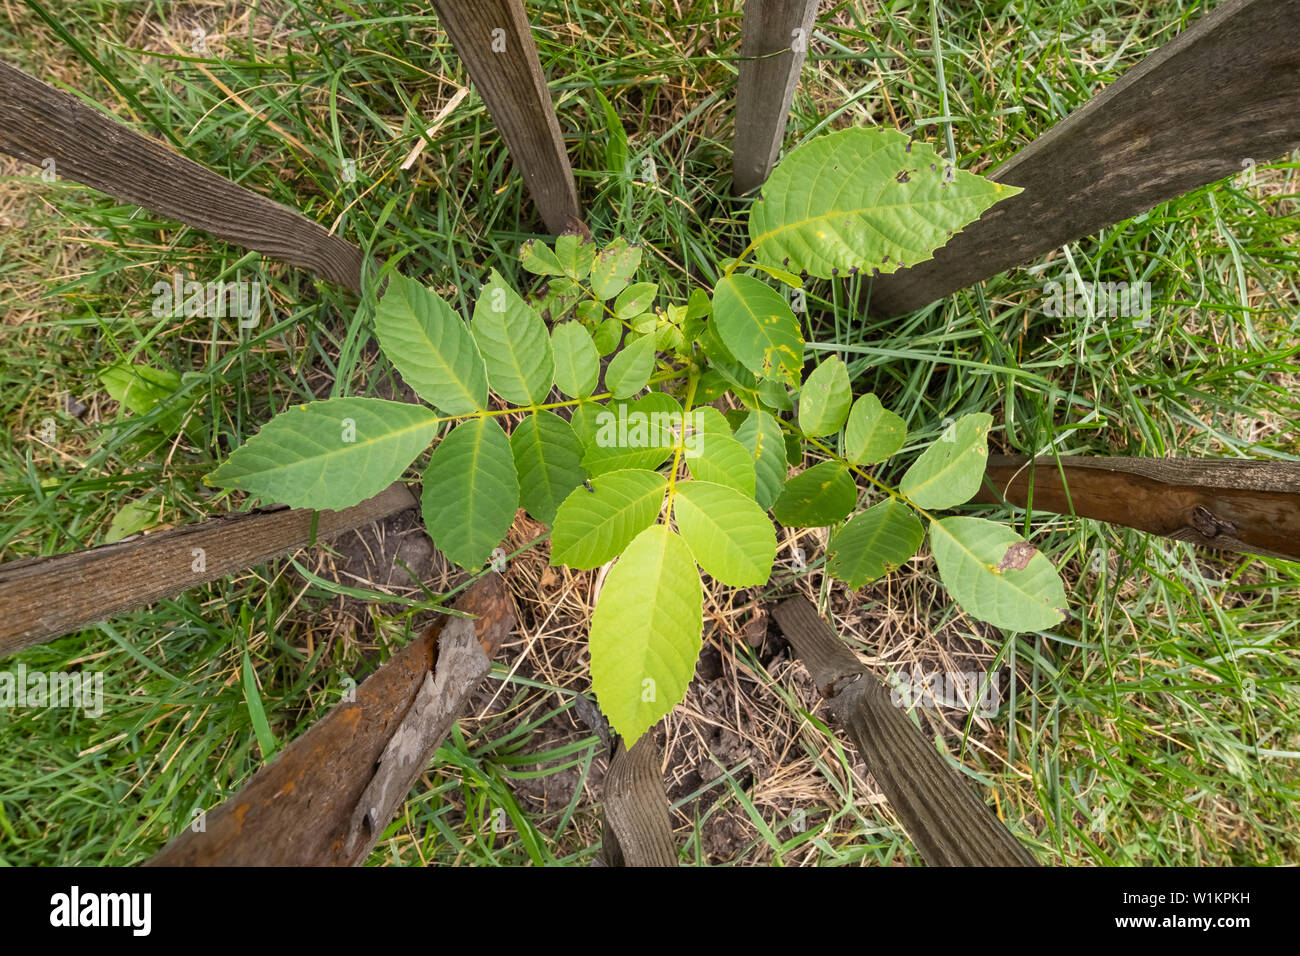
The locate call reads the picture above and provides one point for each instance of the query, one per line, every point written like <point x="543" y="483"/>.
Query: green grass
<point x="1159" y="727"/>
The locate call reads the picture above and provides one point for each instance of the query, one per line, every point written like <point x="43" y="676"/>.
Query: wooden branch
<point x="38" y="123"/>
<point x="940" y="811"/>
<point x="496" y="45"/>
<point x="44" y="598"/>
<point x="637" y="828"/>
<point x="1250" y="506"/>
<point x="773" y="51"/>
<point x="326" y="798"/>
<point x="461" y="665"/>
<point x="1224" y="91"/>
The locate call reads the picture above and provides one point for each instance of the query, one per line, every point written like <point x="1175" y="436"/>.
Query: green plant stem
<point x="735" y="263"/>
<point x="663" y="376"/>
<point x="826" y="450"/>
<point x="692" y="381"/>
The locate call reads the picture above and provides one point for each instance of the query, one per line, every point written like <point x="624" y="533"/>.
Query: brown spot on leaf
<point x="1017" y="556"/>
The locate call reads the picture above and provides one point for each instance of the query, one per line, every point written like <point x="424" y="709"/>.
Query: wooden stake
<point x="496" y="44"/>
<point x="1234" y="505"/>
<point x="1223" y="94"/>
<point x="38" y="124"/>
<point x="326" y="798"/>
<point x="637" y="828"/>
<point x="940" y="811"/>
<point x="44" y="598"/>
<point x="773" y="47"/>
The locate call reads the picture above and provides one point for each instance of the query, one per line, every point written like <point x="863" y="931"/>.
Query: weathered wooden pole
<point x="773" y="46"/>
<point x="496" y="44"/>
<point x="638" y="831"/>
<point x="44" y="598"/>
<point x="940" y="811"/>
<point x="1223" y="94"/>
<point x="1231" y="504"/>
<point x="40" y="125"/>
<point x="326" y="798"/>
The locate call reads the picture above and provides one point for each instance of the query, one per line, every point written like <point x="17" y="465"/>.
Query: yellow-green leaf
<point x="761" y="435"/>
<point x="548" y="460"/>
<point x="949" y="472"/>
<point x="874" y="543"/>
<point x="864" y="200"/>
<point x="873" y="433"/>
<point x="595" y="524"/>
<point x="730" y="536"/>
<point x="997" y="576"/>
<point x="512" y="339"/>
<point x="757" y="326"/>
<point x="821" y="495"/>
<point x="824" y="399"/>
<point x="330" y="454"/>
<point x="646" y="632"/>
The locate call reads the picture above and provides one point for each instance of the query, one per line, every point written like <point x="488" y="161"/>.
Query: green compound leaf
<point x="760" y="433"/>
<point x="607" y="335"/>
<point x="471" y="492"/>
<point x="635" y="300"/>
<point x="874" y="543"/>
<point x="864" y="200"/>
<point x="640" y="434"/>
<point x="613" y="268"/>
<point x="730" y="536"/>
<point x="630" y="369"/>
<point x="330" y="454"/>
<point x="756" y="325"/>
<point x="997" y="576"/>
<point x="873" y="432"/>
<point x="577" y="366"/>
<point x="646" y="632"/>
<point x="719" y="458"/>
<point x="538" y="259"/>
<point x="548" y="460"/>
<point x="775" y="395"/>
<point x="593" y="527"/>
<point x="512" y="339"/>
<point x="431" y="347"/>
<point x="823" y="494"/>
<point x="575" y="256"/>
<point x="949" y="472"/>
<point x="824" y="399"/>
